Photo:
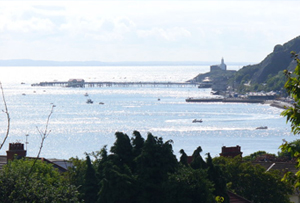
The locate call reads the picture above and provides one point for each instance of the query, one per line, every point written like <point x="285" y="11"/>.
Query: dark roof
<point x="234" y="198"/>
<point x="60" y="164"/>
<point x="281" y="166"/>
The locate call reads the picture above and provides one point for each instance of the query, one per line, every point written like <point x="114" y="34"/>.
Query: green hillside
<point x="267" y="75"/>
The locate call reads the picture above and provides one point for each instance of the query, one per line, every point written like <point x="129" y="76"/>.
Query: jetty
<point x="82" y="83"/>
<point x="226" y="100"/>
<point x="274" y="102"/>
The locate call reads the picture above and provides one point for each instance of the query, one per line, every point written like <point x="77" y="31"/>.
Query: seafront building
<point x="221" y="66"/>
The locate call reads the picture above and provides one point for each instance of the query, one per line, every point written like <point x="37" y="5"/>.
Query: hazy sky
<point x="239" y="31"/>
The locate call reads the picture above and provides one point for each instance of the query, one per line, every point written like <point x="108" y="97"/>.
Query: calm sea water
<point x="77" y="127"/>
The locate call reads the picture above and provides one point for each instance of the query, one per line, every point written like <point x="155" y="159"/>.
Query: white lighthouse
<point x="223" y="65"/>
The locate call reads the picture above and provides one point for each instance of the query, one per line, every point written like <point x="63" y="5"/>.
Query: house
<point x="76" y="83"/>
<point x="231" y="151"/>
<point x="16" y="150"/>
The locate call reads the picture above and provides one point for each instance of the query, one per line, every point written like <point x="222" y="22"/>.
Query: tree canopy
<point x="43" y="183"/>
<point x="253" y="182"/>
<point x="144" y="171"/>
<point x="292" y="115"/>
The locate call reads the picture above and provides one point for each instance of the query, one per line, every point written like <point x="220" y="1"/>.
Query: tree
<point x="183" y="158"/>
<point x="137" y="143"/>
<point x="90" y="182"/>
<point x="253" y="182"/>
<point x="254" y="156"/>
<point x="217" y="178"/>
<point x="286" y="153"/>
<point x="146" y="171"/>
<point x="46" y="183"/>
<point x="197" y="160"/>
<point x="117" y="186"/>
<point x="122" y="149"/>
<point x="189" y="186"/>
<point x="292" y="115"/>
<point x="7" y="116"/>
<point x="153" y="165"/>
<point x="76" y="175"/>
<point x="292" y="86"/>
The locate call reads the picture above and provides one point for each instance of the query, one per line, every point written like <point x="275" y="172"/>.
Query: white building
<point x="222" y="66"/>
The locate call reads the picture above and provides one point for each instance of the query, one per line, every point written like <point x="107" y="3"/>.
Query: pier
<point x="111" y="84"/>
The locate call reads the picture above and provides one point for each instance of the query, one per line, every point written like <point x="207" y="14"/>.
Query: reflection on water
<point x="77" y="127"/>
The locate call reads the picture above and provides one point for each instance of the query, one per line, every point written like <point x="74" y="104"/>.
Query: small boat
<point x="23" y="94"/>
<point x="197" y="121"/>
<point x="86" y="94"/>
<point x="261" y="128"/>
<point x="101" y="103"/>
<point x="89" y="101"/>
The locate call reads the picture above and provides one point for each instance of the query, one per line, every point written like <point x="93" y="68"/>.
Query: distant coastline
<point x="29" y="62"/>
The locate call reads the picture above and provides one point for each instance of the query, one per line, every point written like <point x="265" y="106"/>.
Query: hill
<point x="268" y="74"/>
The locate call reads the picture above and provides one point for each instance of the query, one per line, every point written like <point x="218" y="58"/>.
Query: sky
<point x="145" y="30"/>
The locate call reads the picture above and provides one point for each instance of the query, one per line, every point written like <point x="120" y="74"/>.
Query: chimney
<point x="15" y="150"/>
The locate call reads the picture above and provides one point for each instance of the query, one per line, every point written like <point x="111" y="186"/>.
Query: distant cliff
<point x="264" y="76"/>
<point x="273" y="64"/>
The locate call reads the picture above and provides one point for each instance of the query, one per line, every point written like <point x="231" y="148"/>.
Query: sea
<point x="76" y="128"/>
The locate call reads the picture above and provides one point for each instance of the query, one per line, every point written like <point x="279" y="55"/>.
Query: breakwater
<point x="275" y="103"/>
<point x="233" y="100"/>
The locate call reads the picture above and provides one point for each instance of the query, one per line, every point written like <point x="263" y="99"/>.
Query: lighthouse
<point x="223" y="65"/>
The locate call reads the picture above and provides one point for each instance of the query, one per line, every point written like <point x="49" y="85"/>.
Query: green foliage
<point x="292" y="149"/>
<point x="253" y="182"/>
<point x="116" y="186"/>
<point x="219" y="199"/>
<point x="183" y="158"/>
<point x="45" y="183"/>
<point x="253" y="156"/>
<point x="90" y="182"/>
<point x="144" y="171"/>
<point x="217" y="178"/>
<point x="76" y="174"/>
<point x="153" y="165"/>
<point x="122" y="149"/>
<point x="292" y="86"/>
<point x="189" y="186"/>
<point x="197" y="161"/>
<point x="289" y="150"/>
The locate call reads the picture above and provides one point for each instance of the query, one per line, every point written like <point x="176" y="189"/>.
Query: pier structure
<point x="111" y="84"/>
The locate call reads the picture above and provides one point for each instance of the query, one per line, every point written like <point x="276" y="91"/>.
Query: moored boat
<point x="261" y="128"/>
<point x="197" y="121"/>
<point x="89" y="101"/>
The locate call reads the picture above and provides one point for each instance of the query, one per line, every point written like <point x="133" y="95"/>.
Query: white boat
<point x="86" y="94"/>
<point x="261" y="128"/>
<point x="197" y="121"/>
